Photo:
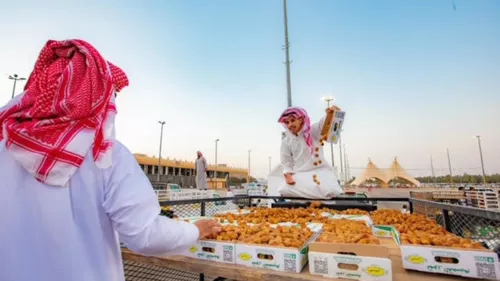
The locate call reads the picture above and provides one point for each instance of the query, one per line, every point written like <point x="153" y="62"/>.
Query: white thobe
<point x="296" y="158"/>
<point x="201" y="173"/>
<point x="72" y="233"/>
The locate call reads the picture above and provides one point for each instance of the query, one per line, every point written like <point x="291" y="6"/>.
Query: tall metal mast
<point x="287" y="62"/>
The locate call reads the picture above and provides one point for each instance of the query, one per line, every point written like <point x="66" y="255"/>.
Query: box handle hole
<point x="446" y="260"/>
<point x="348" y="266"/>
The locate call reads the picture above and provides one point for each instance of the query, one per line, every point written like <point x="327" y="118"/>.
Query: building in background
<point x="182" y="172"/>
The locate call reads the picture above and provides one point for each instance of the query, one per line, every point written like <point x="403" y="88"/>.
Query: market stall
<point x="318" y="243"/>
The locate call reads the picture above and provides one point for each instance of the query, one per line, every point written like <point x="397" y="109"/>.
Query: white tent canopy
<point x="395" y="171"/>
<point x="371" y="172"/>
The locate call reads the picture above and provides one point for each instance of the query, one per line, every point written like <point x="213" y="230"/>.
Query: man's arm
<point x="205" y="165"/>
<point x="316" y="129"/>
<point x="131" y="204"/>
<point x="286" y="158"/>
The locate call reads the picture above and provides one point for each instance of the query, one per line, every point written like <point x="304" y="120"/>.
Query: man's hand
<point x="333" y="108"/>
<point x="289" y="179"/>
<point x="207" y="228"/>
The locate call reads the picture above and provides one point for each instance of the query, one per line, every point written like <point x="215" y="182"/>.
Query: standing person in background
<point x="201" y="169"/>
<point x="405" y="210"/>
<point x="70" y="189"/>
<point x="462" y="201"/>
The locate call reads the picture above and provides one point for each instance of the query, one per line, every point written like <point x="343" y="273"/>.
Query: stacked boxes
<point x="386" y="261"/>
<point x="483" y="199"/>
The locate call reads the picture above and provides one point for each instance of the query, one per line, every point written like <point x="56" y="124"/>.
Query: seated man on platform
<point x="303" y="171"/>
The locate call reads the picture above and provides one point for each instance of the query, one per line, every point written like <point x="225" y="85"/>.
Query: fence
<point x="183" y="181"/>
<point x="477" y="224"/>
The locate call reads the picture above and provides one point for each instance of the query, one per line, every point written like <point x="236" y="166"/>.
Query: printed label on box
<point x="475" y="264"/>
<point x="336" y="126"/>
<point x="319" y="264"/>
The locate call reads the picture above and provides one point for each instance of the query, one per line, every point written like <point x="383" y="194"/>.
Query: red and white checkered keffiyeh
<point x="306" y="127"/>
<point x="67" y="109"/>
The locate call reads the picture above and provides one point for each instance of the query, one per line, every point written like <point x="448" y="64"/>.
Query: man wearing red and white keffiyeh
<point x="69" y="187"/>
<point x="67" y="108"/>
<point x="303" y="171"/>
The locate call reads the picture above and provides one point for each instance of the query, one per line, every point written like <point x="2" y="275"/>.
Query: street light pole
<point x="215" y="171"/>
<point x="286" y="47"/>
<point x="433" y="175"/>
<point x="340" y="148"/>
<point x="16" y="78"/>
<point x="162" y="123"/>
<point x="481" y="154"/>
<point x="287" y="56"/>
<point x="269" y="164"/>
<point x="345" y="165"/>
<point x="328" y="100"/>
<point x="348" y="169"/>
<point x="248" y="175"/>
<point x="449" y="166"/>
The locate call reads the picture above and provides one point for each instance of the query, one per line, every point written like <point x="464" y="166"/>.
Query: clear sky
<point x="415" y="77"/>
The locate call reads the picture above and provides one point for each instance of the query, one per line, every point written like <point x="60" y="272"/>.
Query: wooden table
<point x="237" y="272"/>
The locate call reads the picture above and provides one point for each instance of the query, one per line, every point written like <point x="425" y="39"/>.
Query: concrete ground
<point x="391" y="192"/>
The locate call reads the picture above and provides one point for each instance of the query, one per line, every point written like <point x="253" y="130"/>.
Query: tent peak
<point x="393" y="172"/>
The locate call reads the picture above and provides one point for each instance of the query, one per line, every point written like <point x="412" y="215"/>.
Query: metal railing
<point x="477" y="224"/>
<point x="183" y="194"/>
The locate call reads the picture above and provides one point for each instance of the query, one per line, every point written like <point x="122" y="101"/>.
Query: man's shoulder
<point x="120" y="150"/>
<point x="119" y="147"/>
<point x="287" y="140"/>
